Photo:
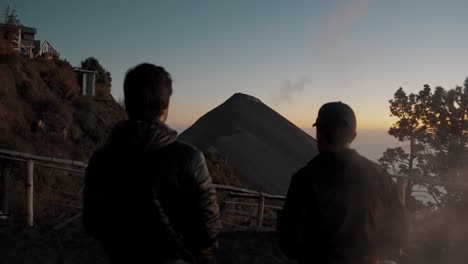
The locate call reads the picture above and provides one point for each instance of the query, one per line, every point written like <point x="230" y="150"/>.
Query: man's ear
<point x="164" y="115"/>
<point x="168" y="103"/>
<point x="353" y="137"/>
<point x="165" y="111"/>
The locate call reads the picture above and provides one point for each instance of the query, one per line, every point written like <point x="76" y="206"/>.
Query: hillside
<point x="43" y="112"/>
<point x="263" y="147"/>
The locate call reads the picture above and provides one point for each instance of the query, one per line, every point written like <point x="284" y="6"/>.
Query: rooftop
<point x="29" y="30"/>
<point x="83" y="70"/>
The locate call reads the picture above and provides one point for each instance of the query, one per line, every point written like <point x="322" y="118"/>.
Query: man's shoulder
<point x="316" y="163"/>
<point x="371" y="172"/>
<point x="349" y="160"/>
<point x="183" y="147"/>
<point x="367" y="163"/>
<point x="178" y="150"/>
<point x="184" y="152"/>
<point x="308" y="169"/>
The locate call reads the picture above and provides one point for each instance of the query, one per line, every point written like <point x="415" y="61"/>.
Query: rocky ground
<point x="70" y="245"/>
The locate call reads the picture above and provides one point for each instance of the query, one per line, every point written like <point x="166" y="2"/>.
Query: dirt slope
<point x="43" y="112"/>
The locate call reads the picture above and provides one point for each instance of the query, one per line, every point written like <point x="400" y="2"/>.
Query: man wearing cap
<point x="341" y="207"/>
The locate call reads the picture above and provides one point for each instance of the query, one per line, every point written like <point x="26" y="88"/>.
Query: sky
<point x="293" y="55"/>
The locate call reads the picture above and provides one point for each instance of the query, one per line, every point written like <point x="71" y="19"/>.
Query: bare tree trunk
<point x="409" y="183"/>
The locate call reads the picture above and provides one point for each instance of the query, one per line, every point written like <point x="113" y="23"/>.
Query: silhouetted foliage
<point x="103" y="77"/>
<point x="220" y="170"/>
<point x="434" y="123"/>
<point x="121" y="102"/>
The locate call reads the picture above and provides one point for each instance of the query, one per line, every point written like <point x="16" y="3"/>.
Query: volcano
<point x="263" y="147"/>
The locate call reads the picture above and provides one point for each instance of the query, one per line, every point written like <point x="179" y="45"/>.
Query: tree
<point x="435" y="126"/>
<point x="103" y="77"/>
<point x="409" y="128"/>
<point x="447" y="134"/>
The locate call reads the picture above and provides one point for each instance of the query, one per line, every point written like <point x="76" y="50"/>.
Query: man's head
<point x="336" y="126"/>
<point x="147" y="89"/>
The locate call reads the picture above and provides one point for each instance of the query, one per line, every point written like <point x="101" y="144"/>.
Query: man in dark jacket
<point x="341" y="207"/>
<point x="149" y="198"/>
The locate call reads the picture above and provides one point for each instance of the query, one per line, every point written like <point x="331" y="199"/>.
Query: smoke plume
<point x="291" y="89"/>
<point x="339" y="22"/>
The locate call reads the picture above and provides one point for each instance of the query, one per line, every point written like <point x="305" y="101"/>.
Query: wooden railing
<point x="260" y="199"/>
<point x="78" y="168"/>
<point x="31" y="161"/>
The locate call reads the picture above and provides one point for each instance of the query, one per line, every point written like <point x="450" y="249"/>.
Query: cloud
<point x="330" y="47"/>
<point x="326" y="47"/>
<point x="340" y="22"/>
<point x="291" y="89"/>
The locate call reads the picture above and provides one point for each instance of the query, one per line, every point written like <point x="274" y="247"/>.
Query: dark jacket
<point x="150" y="197"/>
<point x="341" y="208"/>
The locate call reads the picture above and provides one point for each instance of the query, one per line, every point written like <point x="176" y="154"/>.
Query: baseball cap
<point x="336" y="115"/>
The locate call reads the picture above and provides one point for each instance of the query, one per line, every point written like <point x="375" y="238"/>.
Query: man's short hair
<point x="336" y="122"/>
<point x="147" y="89"/>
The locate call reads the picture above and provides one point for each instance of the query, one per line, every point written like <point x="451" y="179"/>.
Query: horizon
<point x="371" y="143"/>
<point x="294" y="56"/>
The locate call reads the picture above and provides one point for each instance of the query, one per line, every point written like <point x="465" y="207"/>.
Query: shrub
<point x="54" y="113"/>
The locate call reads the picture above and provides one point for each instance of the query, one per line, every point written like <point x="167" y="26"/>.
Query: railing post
<point x="30" y="191"/>
<point x="5" y="191"/>
<point x="260" y="210"/>
<point x="222" y="206"/>
<point x="402" y="183"/>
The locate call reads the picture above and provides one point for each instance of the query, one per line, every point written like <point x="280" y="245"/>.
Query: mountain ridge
<point x="264" y="147"/>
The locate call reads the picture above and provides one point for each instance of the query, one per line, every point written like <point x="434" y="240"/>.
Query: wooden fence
<point x="260" y="204"/>
<point x="78" y="168"/>
<point x="31" y="161"/>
